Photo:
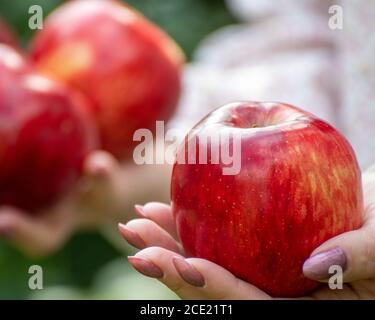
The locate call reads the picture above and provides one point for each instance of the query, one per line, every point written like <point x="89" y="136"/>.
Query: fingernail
<point x="146" y="267"/>
<point x="317" y="266"/>
<point x="139" y="209"/>
<point x="188" y="272"/>
<point x="131" y="237"/>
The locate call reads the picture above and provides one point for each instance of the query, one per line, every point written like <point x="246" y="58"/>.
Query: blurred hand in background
<point x="107" y="193"/>
<point x="45" y="232"/>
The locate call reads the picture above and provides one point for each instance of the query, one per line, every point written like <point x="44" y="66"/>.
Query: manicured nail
<point x="139" y="210"/>
<point x="188" y="272"/>
<point x="317" y="266"/>
<point x="146" y="267"/>
<point x="131" y="237"/>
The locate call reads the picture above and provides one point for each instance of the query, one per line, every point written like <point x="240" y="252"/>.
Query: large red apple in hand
<point x="45" y="133"/>
<point x="297" y="185"/>
<point x="127" y="66"/>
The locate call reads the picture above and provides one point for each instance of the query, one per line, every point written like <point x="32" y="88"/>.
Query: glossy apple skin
<point x="45" y="133"/>
<point x="127" y="66"/>
<point x="7" y="35"/>
<point x="298" y="186"/>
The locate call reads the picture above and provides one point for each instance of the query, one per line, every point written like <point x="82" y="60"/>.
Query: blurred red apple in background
<point x="299" y="184"/>
<point x="7" y="35"/>
<point x="45" y="133"/>
<point x="127" y="66"/>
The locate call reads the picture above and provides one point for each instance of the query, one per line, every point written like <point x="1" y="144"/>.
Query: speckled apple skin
<point x="298" y="186"/>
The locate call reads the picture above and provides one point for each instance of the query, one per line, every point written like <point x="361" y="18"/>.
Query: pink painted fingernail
<point x="140" y="211"/>
<point x="146" y="267"/>
<point x="131" y="237"/>
<point x="317" y="266"/>
<point x="188" y="272"/>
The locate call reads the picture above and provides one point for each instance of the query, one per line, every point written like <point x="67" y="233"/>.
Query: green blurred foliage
<point x="89" y="265"/>
<point x="187" y="21"/>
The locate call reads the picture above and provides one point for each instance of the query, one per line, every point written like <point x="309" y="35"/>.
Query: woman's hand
<point x="43" y="233"/>
<point x="162" y="257"/>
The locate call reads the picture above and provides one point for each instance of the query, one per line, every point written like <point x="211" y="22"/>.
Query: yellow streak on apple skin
<point x="314" y="157"/>
<point x="67" y="61"/>
<point x="312" y="180"/>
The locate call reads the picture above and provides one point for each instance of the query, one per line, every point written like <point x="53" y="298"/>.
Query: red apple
<point x="45" y="133"/>
<point x="127" y="66"/>
<point x="298" y="185"/>
<point x="7" y="35"/>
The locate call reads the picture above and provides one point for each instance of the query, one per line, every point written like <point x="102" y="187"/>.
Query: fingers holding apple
<point x="164" y="259"/>
<point x="159" y="213"/>
<point x="143" y="233"/>
<point x="192" y="278"/>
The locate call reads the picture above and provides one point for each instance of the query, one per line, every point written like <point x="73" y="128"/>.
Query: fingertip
<point x="146" y="267"/>
<point x="139" y="209"/>
<point x="99" y="164"/>
<point x="131" y="236"/>
<point x="317" y="267"/>
<point x="188" y="272"/>
<point x="156" y="206"/>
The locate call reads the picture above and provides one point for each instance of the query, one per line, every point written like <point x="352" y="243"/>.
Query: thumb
<point x="353" y="251"/>
<point x="99" y="164"/>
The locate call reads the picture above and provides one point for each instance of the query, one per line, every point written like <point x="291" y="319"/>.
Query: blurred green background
<point x="187" y="21"/>
<point x="89" y="266"/>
